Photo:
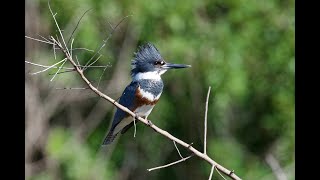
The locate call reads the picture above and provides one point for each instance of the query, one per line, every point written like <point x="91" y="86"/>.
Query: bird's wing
<point x="127" y="99"/>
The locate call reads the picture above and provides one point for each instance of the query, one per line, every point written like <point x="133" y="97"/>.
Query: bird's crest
<point x="146" y="53"/>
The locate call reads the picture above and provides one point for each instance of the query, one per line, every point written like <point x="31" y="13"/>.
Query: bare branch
<point x="48" y="67"/>
<point x="205" y="123"/>
<point x="54" y="51"/>
<point x="177" y="149"/>
<point x="110" y="25"/>
<point x="78" y="61"/>
<point x="43" y="38"/>
<point x="78" y="24"/>
<point x="67" y="71"/>
<point x="135" y="127"/>
<point x="54" y="18"/>
<point x="101" y="77"/>
<point x="44" y="66"/>
<point x="275" y="167"/>
<point x="75" y="88"/>
<point x="71" y="47"/>
<point x="211" y="173"/>
<point x="86" y="49"/>
<point x="173" y="163"/>
<point x="92" y="63"/>
<point x="54" y="40"/>
<point x="106" y="40"/>
<point x="58" y="70"/>
<point x="47" y="42"/>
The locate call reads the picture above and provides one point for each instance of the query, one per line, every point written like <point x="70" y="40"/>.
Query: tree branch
<point x="211" y="172"/>
<point x="177" y="149"/>
<point x="205" y="123"/>
<point x="173" y="163"/>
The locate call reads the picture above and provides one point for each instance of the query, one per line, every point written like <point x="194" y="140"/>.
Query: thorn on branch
<point x="231" y="172"/>
<point x="149" y="122"/>
<point x="190" y="145"/>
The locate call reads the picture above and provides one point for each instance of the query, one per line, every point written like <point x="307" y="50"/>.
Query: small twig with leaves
<point x="68" y="57"/>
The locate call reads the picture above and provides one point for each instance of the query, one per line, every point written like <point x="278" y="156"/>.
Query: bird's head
<point x="148" y="63"/>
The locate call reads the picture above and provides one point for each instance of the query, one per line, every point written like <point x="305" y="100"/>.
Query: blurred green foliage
<point x="244" y="50"/>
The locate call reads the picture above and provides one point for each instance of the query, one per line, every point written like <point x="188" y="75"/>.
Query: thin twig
<point x="78" y="61"/>
<point x="58" y="70"/>
<point x="135" y="127"/>
<point x="71" y="47"/>
<point x="48" y="42"/>
<point x="211" y="173"/>
<point x="205" y="123"/>
<point x="79" y="88"/>
<point x="173" y="163"/>
<point x="54" y="18"/>
<point x="101" y="77"/>
<point x="220" y="174"/>
<point x="67" y="71"/>
<point x="177" y="149"/>
<point x="78" y="24"/>
<point x="86" y="49"/>
<point x="43" y="38"/>
<point x="106" y="40"/>
<point x="110" y="25"/>
<point x="55" y="40"/>
<point x="54" y="51"/>
<point x="92" y="63"/>
<point x="49" y="67"/>
<point x="44" y="66"/>
<point x="275" y="167"/>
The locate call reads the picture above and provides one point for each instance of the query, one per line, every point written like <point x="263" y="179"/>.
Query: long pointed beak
<point x="175" y="66"/>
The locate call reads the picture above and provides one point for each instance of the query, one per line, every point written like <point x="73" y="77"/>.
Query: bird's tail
<point x="109" y="139"/>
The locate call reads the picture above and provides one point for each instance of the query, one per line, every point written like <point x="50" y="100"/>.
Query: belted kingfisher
<point x="141" y="95"/>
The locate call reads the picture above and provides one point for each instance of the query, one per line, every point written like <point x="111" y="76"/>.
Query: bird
<point x="144" y="91"/>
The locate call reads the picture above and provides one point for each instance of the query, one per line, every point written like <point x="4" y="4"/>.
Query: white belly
<point x="142" y="111"/>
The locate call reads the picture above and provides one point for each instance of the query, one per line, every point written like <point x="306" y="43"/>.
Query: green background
<point x="244" y="50"/>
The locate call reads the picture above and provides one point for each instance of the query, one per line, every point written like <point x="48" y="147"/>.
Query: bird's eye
<point x="159" y="63"/>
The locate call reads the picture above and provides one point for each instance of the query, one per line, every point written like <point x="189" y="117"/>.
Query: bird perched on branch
<point x="141" y="95"/>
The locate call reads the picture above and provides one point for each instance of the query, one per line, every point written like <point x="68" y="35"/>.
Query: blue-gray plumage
<point x="141" y="95"/>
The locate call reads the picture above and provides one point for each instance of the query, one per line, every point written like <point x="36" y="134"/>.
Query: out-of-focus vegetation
<point x="244" y="50"/>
